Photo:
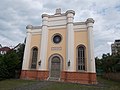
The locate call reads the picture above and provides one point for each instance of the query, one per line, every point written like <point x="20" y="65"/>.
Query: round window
<point x="57" y="38"/>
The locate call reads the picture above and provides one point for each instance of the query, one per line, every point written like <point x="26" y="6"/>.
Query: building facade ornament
<point x="58" y="11"/>
<point x="70" y="11"/>
<point x="60" y="49"/>
<point x="29" y="27"/>
<point x="90" y="20"/>
<point x="45" y="15"/>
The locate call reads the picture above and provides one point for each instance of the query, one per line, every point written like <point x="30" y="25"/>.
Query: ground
<point x="13" y="84"/>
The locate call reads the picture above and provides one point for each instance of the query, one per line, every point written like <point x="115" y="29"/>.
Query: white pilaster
<point x="91" y="60"/>
<point x="26" y="57"/>
<point x="70" y="41"/>
<point x="44" y="42"/>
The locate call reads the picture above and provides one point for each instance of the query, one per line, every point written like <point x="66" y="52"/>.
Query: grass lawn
<point x="13" y="83"/>
<point x="103" y="85"/>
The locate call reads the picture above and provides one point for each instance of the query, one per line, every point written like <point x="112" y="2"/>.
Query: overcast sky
<point x="16" y="14"/>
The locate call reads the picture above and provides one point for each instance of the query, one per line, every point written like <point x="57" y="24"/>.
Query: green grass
<point x="110" y="85"/>
<point x="103" y="85"/>
<point x="13" y="83"/>
<point x="67" y="86"/>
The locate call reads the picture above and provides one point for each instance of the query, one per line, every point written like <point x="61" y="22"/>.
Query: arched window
<point x="81" y="57"/>
<point x="34" y="58"/>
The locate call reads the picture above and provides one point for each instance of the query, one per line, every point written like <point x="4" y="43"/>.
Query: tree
<point x="98" y="63"/>
<point x="11" y="63"/>
<point x="108" y="63"/>
<point x="8" y="64"/>
<point x="3" y="69"/>
<point x="20" y="53"/>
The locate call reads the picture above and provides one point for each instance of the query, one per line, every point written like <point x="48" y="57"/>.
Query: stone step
<point x="54" y="79"/>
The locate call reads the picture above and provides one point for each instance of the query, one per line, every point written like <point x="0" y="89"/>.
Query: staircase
<point x="53" y="79"/>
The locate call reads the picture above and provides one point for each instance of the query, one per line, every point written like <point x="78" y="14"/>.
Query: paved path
<point x="34" y="86"/>
<point x="41" y="84"/>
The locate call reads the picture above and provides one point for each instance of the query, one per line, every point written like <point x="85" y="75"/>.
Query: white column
<point x="26" y="57"/>
<point x="44" y="42"/>
<point x="91" y="59"/>
<point x="70" y="41"/>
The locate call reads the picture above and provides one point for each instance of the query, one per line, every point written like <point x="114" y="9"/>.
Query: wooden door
<point x="55" y="67"/>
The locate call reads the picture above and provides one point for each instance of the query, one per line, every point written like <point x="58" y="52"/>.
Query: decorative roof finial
<point x="58" y="11"/>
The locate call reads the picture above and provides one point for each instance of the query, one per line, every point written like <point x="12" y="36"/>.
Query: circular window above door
<point x="57" y="38"/>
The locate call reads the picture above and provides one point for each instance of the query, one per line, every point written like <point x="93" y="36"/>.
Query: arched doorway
<point x="55" y="66"/>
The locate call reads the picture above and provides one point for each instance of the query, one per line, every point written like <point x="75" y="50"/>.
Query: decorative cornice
<point x="58" y="15"/>
<point x="33" y="27"/>
<point x="29" y="27"/>
<point x="45" y="15"/>
<point x="90" y="20"/>
<point x="89" y="26"/>
<point x="58" y="11"/>
<point x="79" y="23"/>
<point x="80" y="30"/>
<point x="70" y="11"/>
<point x="37" y="27"/>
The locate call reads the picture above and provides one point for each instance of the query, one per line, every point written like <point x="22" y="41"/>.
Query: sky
<point x="15" y="15"/>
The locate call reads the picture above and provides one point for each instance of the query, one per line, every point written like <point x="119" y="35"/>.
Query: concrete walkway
<point x="34" y="86"/>
<point x="41" y="84"/>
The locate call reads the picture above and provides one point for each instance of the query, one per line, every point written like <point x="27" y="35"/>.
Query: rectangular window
<point x="81" y="58"/>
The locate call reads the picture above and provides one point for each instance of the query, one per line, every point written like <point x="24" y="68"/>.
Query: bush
<point x="112" y="76"/>
<point x="8" y="64"/>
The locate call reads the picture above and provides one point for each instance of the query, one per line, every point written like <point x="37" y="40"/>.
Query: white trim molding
<point x="91" y="60"/>
<point x="70" y="41"/>
<point x="44" y="42"/>
<point x="26" y="57"/>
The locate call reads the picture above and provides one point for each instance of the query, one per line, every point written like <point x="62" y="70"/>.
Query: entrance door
<point x="55" y="67"/>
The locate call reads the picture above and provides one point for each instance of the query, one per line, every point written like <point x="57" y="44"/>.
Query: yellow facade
<point x="81" y="38"/>
<point x="60" y="49"/>
<point x="61" y="45"/>
<point x="35" y="42"/>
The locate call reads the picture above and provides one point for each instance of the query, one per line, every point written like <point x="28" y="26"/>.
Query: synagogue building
<point x="60" y="49"/>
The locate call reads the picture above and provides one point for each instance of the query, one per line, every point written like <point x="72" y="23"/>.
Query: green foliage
<point x="3" y="70"/>
<point x="108" y="63"/>
<point x="11" y="63"/>
<point x="20" y="53"/>
<point x="13" y="84"/>
<point x="8" y="65"/>
<point x="98" y="63"/>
